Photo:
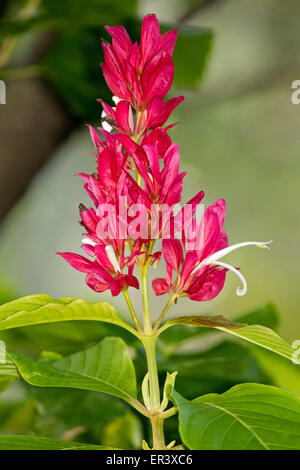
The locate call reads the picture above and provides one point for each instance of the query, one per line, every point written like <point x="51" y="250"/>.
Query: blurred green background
<point x="239" y="139"/>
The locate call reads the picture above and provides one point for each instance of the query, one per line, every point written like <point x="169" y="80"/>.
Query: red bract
<point x="199" y="273"/>
<point x="137" y="73"/>
<point x="162" y="186"/>
<point x="138" y="183"/>
<point x="103" y="241"/>
<point x="156" y="114"/>
<point x="105" y="272"/>
<point x="193" y="276"/>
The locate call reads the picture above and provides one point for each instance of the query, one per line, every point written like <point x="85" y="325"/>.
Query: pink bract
<point x="138" y="174"/>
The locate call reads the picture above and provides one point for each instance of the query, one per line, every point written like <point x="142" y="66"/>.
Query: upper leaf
<point x="256" y="334"/>
<point x="66" y="337"/>
<point x="266" y="338"/>
<point x="106" y="367"/>
<point x="265" y="316"/>
<point x="216" y="321"/>
<point x="37" y="309"/>
<point x="247" y="417"/>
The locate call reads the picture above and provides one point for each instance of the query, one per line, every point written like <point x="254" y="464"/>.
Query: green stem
<point x="150" y="348"/>
<point x="164" y="312"/>
<point x="168" y="413"/>
<point x="158" y="432"/>
<point x="144" y="281"/>
<point x="146" y="308"/>
<point x="155" y="417"/>
<point x="139" y="407"/>
<point x="149" y="341"/>
<point x="132" y="311"/>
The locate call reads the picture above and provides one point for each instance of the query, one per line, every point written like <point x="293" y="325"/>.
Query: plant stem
<point x="155" y="417"/>
<point x="150" y="348"/>
<point x="144" y="281"/>
<point x="168" y="413"/>
<point x="157" y="424"/>
<point x="164" y="312"/>
<point x="149" y="339"/>
<point x="146" y="308"/>
<point x="132" y="311"/>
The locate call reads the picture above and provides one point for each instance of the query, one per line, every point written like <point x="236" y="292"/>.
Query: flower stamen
<point x="213" y="260"/>
<point x="240" y="290"/>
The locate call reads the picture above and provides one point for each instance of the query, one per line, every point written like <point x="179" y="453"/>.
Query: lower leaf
<point x="246" y="417"/>
<point x="106" y="367"/>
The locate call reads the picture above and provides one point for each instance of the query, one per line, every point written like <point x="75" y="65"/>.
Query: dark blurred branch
<point x="196" y="8"/>
<point x="32" y="125"/>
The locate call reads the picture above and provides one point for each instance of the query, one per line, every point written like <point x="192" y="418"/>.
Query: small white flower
<point x="116" y="100"/>
<point x="88" y="241"/>
<point x="214" y="260"/>
<point x="107" y="127"/>
<point x="112" y="258"/>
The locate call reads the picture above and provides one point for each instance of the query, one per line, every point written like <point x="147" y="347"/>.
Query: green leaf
<point x="44" y="443"/>
<point x="215" y="321"/>
<point x="265" y="338"/>
<point x="38" y="309"/>
<point x="69" y="337"/>
<point x="193" y="47"/>
<point x="246" y="417"/>
<point x="256" y="334"/>
<point x="266" y="316"/>
<point x="106" y="367"/>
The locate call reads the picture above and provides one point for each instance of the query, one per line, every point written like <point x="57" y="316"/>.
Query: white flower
<point x="113" y="259"/>
<point x="214" y="261"/>
<point x="107" y="127"/>
<point x="88" y="241"/>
